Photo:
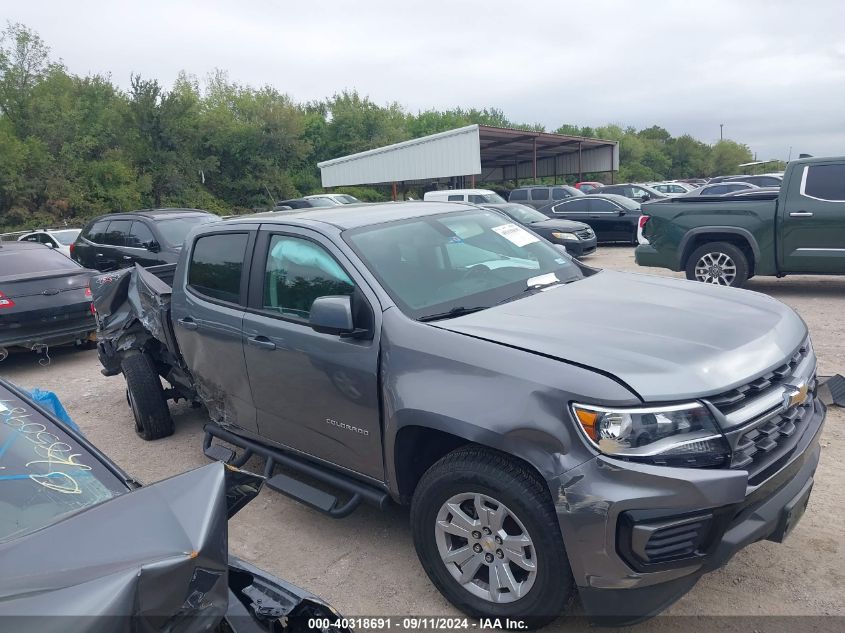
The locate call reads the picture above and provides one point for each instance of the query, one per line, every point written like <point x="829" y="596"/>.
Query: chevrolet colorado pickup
<point x="799" y="229"/>
<point x="553" y="426"/>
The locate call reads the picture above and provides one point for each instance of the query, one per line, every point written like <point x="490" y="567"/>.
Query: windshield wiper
<point x="449" y="314"/>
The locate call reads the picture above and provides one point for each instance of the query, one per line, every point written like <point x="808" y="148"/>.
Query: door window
<point x="455" y="198"/>
<point x="824" y="182"/>
<point x="297" y="272"/>
<point x="139" y="235"/>
<point x="602" y="206"/>
<point x="540" y="194"/>
<point x="116" y="235"/>
<point x="559" y="193"/>
<point x="576" y="206"/>
<point x="216" y="266"/>
<point x="97" y="232"/>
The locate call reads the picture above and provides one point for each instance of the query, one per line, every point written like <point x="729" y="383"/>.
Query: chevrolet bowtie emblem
<point x="797" y="395"/>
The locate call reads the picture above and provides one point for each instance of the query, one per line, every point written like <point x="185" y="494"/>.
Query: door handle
<point x="262" y="342"/>
<point x="801" y="214"/>
<point x="99" y="254"/>
<point x="188" y="323"/>
<point x="126" y="257"/>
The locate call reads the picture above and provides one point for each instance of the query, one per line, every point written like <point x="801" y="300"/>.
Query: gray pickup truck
<point x="553" y="427"/>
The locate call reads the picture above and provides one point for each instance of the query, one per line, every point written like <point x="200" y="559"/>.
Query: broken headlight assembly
<point x="683" y="435"/>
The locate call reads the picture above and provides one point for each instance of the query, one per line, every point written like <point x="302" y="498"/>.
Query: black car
<point x="81" y="540"/>
<point x="44" y="298"/>
<point x="632" y="190"/>
<point x="578" y="238"/>
<point x="149" y="238"/>
<point x="613" y="218"/>
<point x="305" y="203"/>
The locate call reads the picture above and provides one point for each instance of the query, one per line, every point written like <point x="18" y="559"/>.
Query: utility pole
<point x="721" y="135"/>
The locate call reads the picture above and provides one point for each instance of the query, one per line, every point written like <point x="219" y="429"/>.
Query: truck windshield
<point x="44" y="473"/>
<point x="467" y="260"/>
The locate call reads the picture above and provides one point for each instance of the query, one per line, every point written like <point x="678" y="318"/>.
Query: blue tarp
<point x="51" y="402"/>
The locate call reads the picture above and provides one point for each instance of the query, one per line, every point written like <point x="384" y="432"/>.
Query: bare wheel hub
<point x="485" y="547"/>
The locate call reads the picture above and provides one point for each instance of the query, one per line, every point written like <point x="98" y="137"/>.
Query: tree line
<point x="75" y="146"/>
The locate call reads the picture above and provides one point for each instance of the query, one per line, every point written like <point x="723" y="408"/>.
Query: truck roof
<point x="351" y="216"/>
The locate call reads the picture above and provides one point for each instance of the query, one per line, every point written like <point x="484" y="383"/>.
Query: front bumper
<point x="581" y="248"/>
<point x="595" y="498"/>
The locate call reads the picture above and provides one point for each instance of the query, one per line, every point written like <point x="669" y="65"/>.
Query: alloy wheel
<point x="485" y="547"/>
<point x="716" y="268"/>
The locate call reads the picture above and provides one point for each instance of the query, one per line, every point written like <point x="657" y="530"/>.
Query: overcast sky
<point x="772" y="71"/>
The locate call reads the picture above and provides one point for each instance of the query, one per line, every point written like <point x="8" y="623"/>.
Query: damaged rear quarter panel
<point x="490" y="394"/>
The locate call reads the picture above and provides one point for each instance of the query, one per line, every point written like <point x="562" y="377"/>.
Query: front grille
<point x="732" y="400"/>
<point x="584" y="234"/>
<point x="769" y="442"/>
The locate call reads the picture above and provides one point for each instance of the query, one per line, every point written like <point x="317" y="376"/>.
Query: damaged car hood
<point x="154" y="559"/>
<point x="667" y="339"/>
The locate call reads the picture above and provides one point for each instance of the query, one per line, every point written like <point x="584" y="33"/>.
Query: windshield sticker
<point x="560" y="260"/>
<point x="516" y="234"/>
<point x="455" y="240"/>
<point x="542" y="280"/>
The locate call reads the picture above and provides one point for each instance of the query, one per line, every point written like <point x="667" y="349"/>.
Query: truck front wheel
<point x="487" y="535"/>
<point x="146" y="397"/>
<point x="720" y="263"/>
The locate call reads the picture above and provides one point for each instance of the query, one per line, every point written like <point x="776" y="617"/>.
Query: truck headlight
<point x="678" y="435"/>
<point x="565" y="236"/>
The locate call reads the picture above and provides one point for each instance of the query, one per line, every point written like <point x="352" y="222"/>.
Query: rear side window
<point x="216" y="266"/>
<point x="33" y="260"/>
<point x="518" y="194"/>
<point x="455" y="198"/>
<point x="539" y="194"/>
<point x="825" y="182"/>
<point x="116" y="234"/>
<point x="97" y="232"/>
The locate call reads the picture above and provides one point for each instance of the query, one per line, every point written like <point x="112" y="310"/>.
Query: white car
<point x="473" y="196"/>
<point x="672" y="187"/>
<point x="59" y="239"/>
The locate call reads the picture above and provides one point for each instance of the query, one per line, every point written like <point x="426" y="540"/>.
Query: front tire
<point x="719" y="263"/>
<point x="486" y="533"/>
<point x="146" y="397"/>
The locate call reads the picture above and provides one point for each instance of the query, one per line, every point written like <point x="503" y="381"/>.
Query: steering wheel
<point x="478" y="270"/>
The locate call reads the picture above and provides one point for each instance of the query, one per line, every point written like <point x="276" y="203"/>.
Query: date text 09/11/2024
<point x="417" y="623"/>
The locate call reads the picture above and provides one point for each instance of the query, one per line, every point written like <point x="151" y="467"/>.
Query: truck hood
<point x="666" y="339"/>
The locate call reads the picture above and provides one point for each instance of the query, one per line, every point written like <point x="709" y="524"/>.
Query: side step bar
<point x="295" y="489"/>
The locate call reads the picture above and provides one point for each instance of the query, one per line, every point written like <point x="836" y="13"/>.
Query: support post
<point x="534" y="160"/>
<point x="579" y="162"/>
<point x="394" y="192"/>
<point x="472" y="180"/>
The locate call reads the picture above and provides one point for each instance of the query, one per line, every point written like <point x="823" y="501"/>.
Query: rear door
<point x="85" y="250"/>
<point x="208" y="319"/>
<point x="315" y="393"/>
<point x="812" y="230"/>
<point x="110" y="255"/>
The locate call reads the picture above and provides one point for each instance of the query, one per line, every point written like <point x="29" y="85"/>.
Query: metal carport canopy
<point x="492" y="153"/>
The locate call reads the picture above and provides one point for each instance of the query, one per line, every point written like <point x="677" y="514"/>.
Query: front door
<point x="315" y="393"/>
<point x="812" y="228"/>
<point x="207" y="321"/>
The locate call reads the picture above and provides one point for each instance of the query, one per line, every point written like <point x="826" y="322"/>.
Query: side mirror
<point x="645" y="196"/>
<point x="153" y="246"/>
<point x="622" y="212"/>
<point x="332" y="315"/>
<point x="50" y="245"/>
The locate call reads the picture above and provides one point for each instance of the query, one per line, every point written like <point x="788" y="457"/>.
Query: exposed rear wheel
<point x="719" y="263"/>
<point x="146" y="397"/>
<point x="487" y="535"/>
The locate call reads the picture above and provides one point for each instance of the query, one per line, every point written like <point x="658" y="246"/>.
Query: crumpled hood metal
<point x="667" y="339"/>
<point x="154" y="559"/>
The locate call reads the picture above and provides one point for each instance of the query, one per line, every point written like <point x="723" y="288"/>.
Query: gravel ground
<point x="366" y="565"/>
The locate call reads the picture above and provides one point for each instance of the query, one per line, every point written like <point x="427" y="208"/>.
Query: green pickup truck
<point x="726" y="240"/>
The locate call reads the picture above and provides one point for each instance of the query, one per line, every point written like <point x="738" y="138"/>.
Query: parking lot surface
<point x="366" y="564"/>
